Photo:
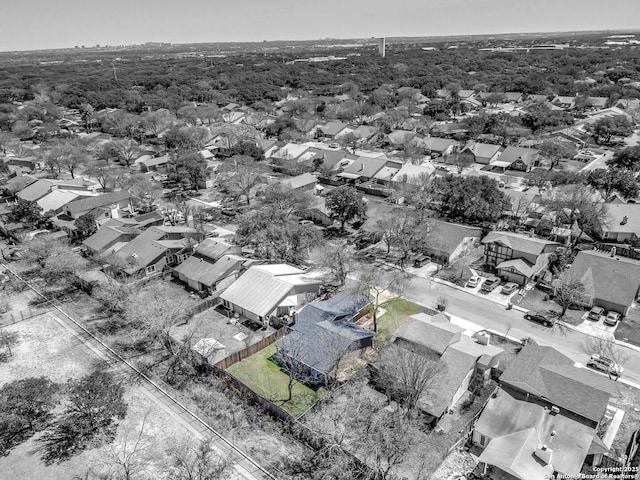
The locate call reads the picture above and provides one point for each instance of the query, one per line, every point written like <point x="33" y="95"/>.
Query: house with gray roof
<point x="623" y="222"/>
<point x="548" y="416"/>
<point x="304" y="182"/>
<point x="611" y="282"/>
<point x="484" y="153"/>
<point x="324" y="338"/>
<point x="458" y="354"/>
<point x="517" y="158"/>
<point x="153" y="250"/>
<point x="517" y="257"/>
<point x="448" y="241"/>
<point x="264" y="291"/>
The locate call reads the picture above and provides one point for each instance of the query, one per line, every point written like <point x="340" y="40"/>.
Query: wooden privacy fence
<point x="251" y="349"/>
<point x="206" y="305"/>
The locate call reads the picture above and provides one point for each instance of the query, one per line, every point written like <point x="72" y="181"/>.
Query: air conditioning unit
<point x="483" y="338"/>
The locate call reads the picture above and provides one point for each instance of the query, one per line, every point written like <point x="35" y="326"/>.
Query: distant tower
<point x="382" y="47"/>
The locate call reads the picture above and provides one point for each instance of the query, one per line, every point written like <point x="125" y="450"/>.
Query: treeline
<point x="136" y="83"/>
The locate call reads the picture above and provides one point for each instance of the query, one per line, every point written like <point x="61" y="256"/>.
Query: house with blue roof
<point x="323" y="339"/>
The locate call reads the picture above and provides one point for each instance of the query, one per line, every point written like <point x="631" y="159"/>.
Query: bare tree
<point x="7" y="340"/>
<point x="337" y="258"/>
<point x="568" y="292"/>
<point x="377" y="282"/>
<point x="405" y="375"/>
<point x="197" y="461"/>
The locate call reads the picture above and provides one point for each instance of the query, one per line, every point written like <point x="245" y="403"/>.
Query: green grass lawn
<point x="396" y="311"/>
<point x="629" y="330"/>
<point x="266" y="379"/>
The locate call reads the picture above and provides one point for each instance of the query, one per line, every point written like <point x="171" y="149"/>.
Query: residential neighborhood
<point x="402" y="280"/>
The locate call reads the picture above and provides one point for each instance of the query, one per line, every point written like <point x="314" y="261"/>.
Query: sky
<point x="40" y="24"/>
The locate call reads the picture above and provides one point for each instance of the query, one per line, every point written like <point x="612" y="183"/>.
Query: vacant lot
<point x="265" y="378"/>
<point x="46" y="348"/>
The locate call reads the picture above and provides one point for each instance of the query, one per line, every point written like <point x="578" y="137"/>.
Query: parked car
<point x="539" y="317"/>
<point x="509" y="288"/>
<point x="605" y="365"/>
<point x="612" y="318"/>
<point x="305" y="222"/>
<point x="595" y="313"/>
<point x="490" y="284"/>
<point x="421" y="260"/>
<point x="473" y="282"/>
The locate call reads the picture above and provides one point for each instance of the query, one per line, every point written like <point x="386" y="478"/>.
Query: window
<point x="150" y="269"/>
<point x="483" y="440"/>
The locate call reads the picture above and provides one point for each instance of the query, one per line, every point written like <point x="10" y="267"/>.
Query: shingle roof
<point x="511" y="154"/>
<point x="520" y="265"/>
<point x="206" y="273"/>
<point x="518" y="242"/>
<point x="300" y="181"/>
<point x="550" y="375"/>
<point x="89" y="203"/>
<point x="483" y="150"/>
<point x="214" y="248"/>
<point x="108" y="235"/>
<point x="615" y="218"/>
<point x="447" y="236"/>
<point x="366" y="166"/>
<point x="505" y="415"/>
<point x="36" y="190"/>
<point x="615" y="280"/>
<point x="438" y="144"/>
<point x="332" y="128"/>
<point x="435" y="333"/>
<point x="413" y="173"/>
<point x="323" y="331"/>
<point x="56" y="200"/>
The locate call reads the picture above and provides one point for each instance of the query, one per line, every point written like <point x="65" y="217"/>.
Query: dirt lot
<point x="46" y="348"/>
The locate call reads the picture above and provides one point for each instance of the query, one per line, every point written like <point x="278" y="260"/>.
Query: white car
<point x="605" y="365"/>
<point x="612" y="319"/>
<point x="473" y="282"/>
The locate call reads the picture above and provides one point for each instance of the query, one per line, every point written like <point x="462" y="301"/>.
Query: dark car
<point x="490" y="284"/>
<point x="539" y="318"/>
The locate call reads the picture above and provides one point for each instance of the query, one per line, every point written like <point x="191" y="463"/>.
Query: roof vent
<point x="555" y="410"/>
<point x="624" y="221"/>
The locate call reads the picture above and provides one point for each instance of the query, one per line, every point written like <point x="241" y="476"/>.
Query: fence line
<point x="202" y="306"/>
<point x="251" y="349"/>
<point x="141" y="375"/>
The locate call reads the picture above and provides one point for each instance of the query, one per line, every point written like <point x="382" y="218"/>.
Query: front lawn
<point x="265" y="378"/>
<point x="397" y="310"/>
<point x="535" y="301"/>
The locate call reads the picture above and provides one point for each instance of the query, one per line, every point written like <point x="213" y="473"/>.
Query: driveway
<point x="596" y="329"/>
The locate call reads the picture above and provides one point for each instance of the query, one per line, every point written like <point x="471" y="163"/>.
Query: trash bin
<point x="509" y="306"/>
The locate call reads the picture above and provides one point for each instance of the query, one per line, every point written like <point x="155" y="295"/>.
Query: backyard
<point x="629" y="328"/>
<point x="266" y="378"/>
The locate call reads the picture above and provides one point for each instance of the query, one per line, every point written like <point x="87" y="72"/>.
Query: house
<point x="365" y="132"/>
<point x="107" y="205"/>
<point x="58" y="199"/>
<point x="108" y="236"/>
<point x="459" y="356"/>
<point x="36" y="190"/>
<point x="523" y="202"/>
<point x="269" y="290"/>
<point x="290" y="151"/>
<point x="150" y="251"/>
<point x="205" y="276"/>
<point x="213" y="249"/>
<point x="548" y="416"/>
<point x="154" y="164"/>
<point x="623" y="222"/>
<point x="413" y="174"/>
<point x="448" y="241"/>
<point x="330" y="129"/>
<point x="439" y="146"/>
<point x="484" y="153"/>
<point x="566" y="103"/>
<point x="517" y="158"/>
<point x="304" y="183"/>
<point x="363" y="169"/>
<point x="517" y="257"/>
<point x="514" y="97"/>
<point x="610" y="281"/>
<point x="324" y="338"/>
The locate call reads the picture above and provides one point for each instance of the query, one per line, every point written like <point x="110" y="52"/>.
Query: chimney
<point x="544" y="453"/>
<point x="624" y="221"/>
<point x="361" y="167"/>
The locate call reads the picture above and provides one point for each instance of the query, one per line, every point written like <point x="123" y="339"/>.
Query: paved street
<point x="490" y="315"/>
